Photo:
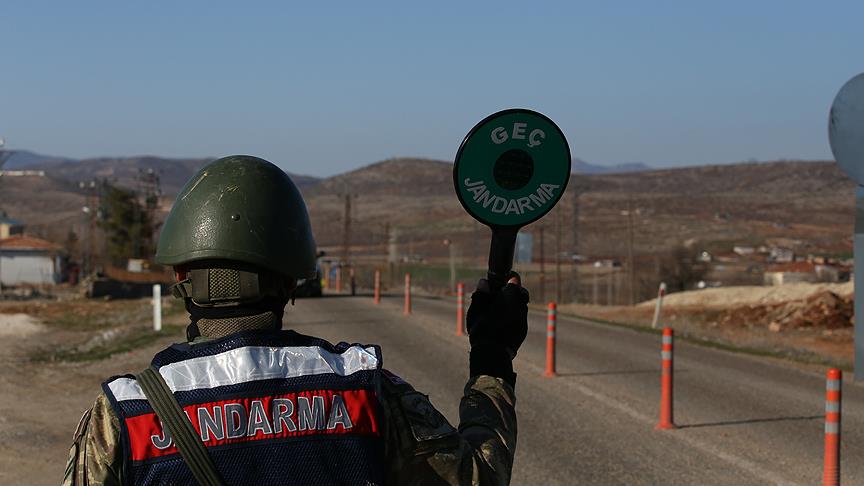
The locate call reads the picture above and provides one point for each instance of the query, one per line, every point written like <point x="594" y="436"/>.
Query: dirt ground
<point x="53" y="357"/>
<point x="811" y="323"/>
<point x="55" y="354"/>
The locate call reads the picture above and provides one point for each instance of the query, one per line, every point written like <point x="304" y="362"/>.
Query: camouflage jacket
<point x="421" y="447"/>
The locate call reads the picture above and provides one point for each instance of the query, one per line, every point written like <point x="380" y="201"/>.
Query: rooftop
<point x="793" y="267"/>
<point x="24" y="242"/>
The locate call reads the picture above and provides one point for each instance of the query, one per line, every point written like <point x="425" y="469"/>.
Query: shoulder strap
<point x="188" y="442"/>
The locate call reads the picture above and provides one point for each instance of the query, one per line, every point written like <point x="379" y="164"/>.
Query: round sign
<point x="846" y="128"/>
<point x="512" y="168"/>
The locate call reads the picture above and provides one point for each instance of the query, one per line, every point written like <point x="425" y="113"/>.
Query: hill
<point x="807" y="206"/>
<point x="582" y="167"/>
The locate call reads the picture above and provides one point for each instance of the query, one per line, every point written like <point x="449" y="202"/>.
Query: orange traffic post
<point x="407" y="310"/>
<point x="338" y="279"/>
<point x="831" y="472"/>
<point x="377" y="286"/>
<point x="551" y="320"/>
<point x="460" y="309"/>
<point x="666" y="420"/>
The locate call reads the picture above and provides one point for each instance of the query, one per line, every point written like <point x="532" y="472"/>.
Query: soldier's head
<point x="238" y="238"/>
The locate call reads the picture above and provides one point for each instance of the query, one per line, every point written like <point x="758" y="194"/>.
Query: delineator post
<point x="407" y="310"/>
<point x="661" y="292"/>
<point x="460" y="309"/>
<point x="833" y="385"/>
<point x="157" y="307"/>
<point x="666" y="418"/>
<point x="338" y="279"/>
<point x="377" y="286"/>
<point x="551" y="321"/>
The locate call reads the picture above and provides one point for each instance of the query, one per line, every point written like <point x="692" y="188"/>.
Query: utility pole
<point x="4" y="156"/>
<point x="558" y="256"/>
<point x="392" y="240"/>
<point x="542" y="266"/>
<point x="631" y="273"/>
<point x="346" y="229"/>
<point x="574" y="271"/>
<point x="609" y="285"/>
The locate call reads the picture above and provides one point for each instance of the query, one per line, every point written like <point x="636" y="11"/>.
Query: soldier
<point x="245" y="402"/>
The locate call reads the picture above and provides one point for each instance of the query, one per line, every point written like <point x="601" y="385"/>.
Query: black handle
<point x="501" y="255"/>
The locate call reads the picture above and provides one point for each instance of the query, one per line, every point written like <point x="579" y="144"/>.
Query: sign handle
<point x="501" y="252"/>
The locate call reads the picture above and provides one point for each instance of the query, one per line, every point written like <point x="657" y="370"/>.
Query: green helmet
<point x="240" y="209"/>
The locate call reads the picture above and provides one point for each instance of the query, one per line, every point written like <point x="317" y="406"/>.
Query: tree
<point x="682" y="269"/>
<point x="127" y="225"/>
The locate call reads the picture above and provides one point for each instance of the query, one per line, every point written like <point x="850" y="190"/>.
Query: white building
<point x="25" y="260"/>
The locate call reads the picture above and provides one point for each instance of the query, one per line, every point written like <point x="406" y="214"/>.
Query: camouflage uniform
<point x="421" y="446"/>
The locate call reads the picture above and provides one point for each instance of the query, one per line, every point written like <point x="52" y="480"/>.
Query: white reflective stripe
<point x="832" y="428"/>
<point x="252" y="363"/>
<point x="550" y="333"/>
<point x="832" y="385"/>
<point x="126" y="389"/>
<point x="667" y="340"/>
<point x="666" y="354"/>
<point x="832" y="407"/>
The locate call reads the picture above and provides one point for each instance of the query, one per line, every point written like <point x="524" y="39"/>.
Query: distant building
<point x="25" y="260"/>
<point x="793" y="272"/>
<point x="9" y="227"/>
<point x="743" y="250"/>
<point x="781" y="255"/>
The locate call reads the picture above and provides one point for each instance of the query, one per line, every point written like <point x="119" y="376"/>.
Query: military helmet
<point x="242" y="210"/>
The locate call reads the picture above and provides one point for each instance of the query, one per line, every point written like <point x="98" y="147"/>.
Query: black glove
<point x="497" y="326"/>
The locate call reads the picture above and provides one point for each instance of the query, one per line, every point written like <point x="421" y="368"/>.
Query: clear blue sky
<point x="320" y="90"/>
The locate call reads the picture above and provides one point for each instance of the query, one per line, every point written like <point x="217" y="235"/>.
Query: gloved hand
<point x="497" y="326"/>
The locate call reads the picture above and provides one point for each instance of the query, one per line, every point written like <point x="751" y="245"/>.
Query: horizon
<point x="338" y="86"/>
<point x="362" y="165"/>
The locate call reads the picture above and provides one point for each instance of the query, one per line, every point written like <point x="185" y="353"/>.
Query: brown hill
<point x="804" y="205"/>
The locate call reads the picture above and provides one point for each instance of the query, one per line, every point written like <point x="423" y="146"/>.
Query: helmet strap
<point x="223" y="287"/>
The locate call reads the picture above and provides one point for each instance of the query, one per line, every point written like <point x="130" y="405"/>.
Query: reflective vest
<point x="272" y="407"/>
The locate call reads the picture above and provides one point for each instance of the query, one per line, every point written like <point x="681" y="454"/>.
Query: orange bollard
<point x="666" y="420"/>
<point x="339" y="279"/>
<point x="460" y="309"/>
<point x="407" y="310"/>
<point x="831" y="472"/>
<point x="551" y="320"/>
<point x="377" y="286"/>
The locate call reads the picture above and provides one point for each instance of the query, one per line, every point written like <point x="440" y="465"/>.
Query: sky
<point x="324" y="87"/>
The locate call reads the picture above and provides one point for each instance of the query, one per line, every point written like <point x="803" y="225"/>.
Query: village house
<point x="25" y="260"/>
<point x="793" y="272"/>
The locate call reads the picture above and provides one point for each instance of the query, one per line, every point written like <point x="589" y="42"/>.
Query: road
<point x="743" y="420"/>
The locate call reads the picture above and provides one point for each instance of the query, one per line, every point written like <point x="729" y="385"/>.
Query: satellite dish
<point x="511" y="170"/>
<point x="846" y="128"/>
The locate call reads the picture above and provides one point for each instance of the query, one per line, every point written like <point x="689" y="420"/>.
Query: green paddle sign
<point x="512" y="168"/>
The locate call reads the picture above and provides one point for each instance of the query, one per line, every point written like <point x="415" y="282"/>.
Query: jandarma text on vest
<point x="244" y="419"/>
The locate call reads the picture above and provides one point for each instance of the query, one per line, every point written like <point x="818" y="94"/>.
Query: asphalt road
<point x="743" y="420"/>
